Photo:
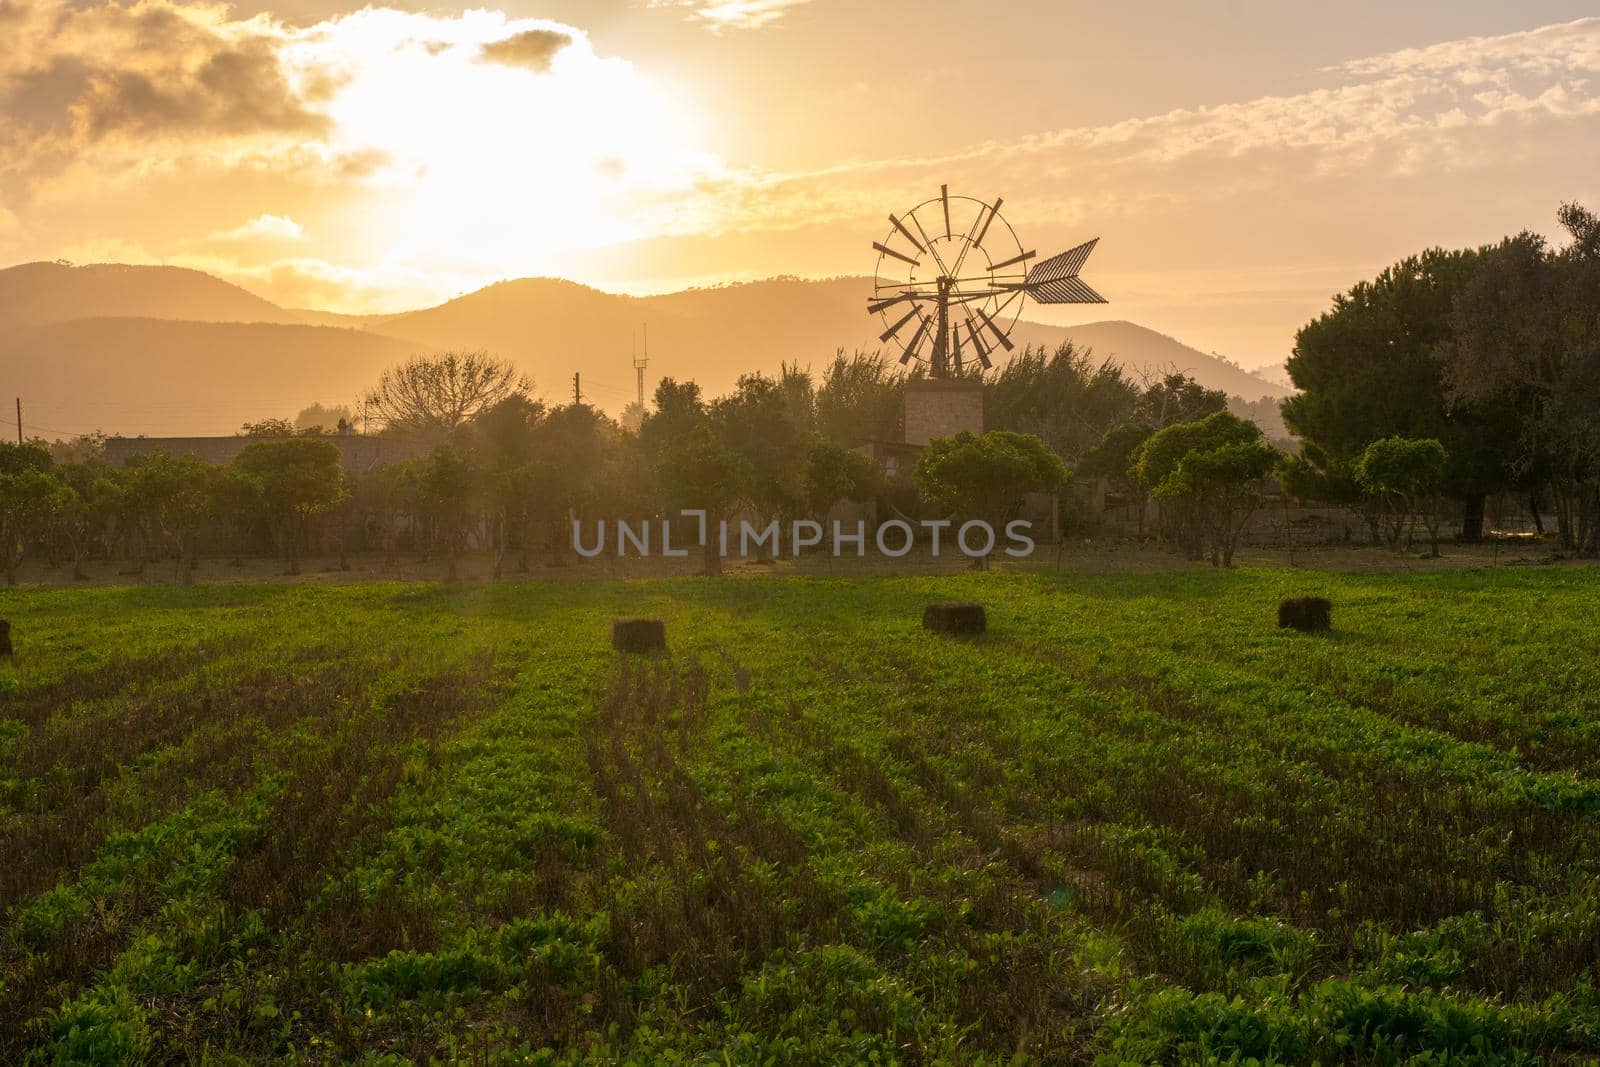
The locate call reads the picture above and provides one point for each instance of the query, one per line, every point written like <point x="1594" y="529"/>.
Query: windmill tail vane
<point x="952" y="279"/>
<point x="1055" y="280"/>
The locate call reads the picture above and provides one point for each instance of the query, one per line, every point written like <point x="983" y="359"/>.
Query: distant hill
<point x="712" y="335"/>
<point x="36" y="293"/>
<point x="167" y="378"/>
<point x="1142" y="351"/>
<point x="163" y="350"/>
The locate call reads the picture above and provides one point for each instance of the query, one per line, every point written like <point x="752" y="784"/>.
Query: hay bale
<point x="960" y="619"/>
<point x="638" y="635"/>
<point x="5" y="638"/>
<point x="1305" y="613"/>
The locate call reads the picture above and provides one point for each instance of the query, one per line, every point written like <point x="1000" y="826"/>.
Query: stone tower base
<point x="942" y="407"/>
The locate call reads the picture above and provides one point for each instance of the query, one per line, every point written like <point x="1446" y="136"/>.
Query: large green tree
<point x="1377" y="365"/>
<point x="1527" y="341"/>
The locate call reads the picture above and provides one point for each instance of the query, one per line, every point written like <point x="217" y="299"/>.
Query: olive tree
<point x="1208" y="477"/>
<point x="986" y="477"/>
<point x="1406" y="476"/>
<point x="298" y="478"/>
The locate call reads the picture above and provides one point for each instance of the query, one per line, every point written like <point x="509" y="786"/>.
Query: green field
<point x="1135" y="822"/>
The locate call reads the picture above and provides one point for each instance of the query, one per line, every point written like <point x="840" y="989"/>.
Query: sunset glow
<point x="381" y="159"/>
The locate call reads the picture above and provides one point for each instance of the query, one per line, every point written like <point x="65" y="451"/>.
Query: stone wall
<point x="942" y="407"/>
<point x="357" y="452"/>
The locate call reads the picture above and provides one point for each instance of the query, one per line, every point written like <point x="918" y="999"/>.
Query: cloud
<point x="426" y="160"/>
<point x="1458" y="106"/>
<point x="151" y="67"/>
<point x="533" y="49"/>
<point x="719" y="15"/>
<point x="262" y="228"/>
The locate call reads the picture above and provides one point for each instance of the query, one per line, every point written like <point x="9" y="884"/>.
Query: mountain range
<point x="171" y="351"/>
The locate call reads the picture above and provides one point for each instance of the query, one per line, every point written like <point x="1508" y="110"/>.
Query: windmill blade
<point x="875" y="306"/>
<point x="886" y="250"/>
<point x="916" y="340"/>
<point x="984" y="232"/>
<point x="944" y="195"/>
<point x="906" y="233"/>
<point x="892" y="330"/>
<point x="955" y="335"/>
<point x="977" y="343"/>
<point x="1055" y="280"/>
<point x="1013" y="260"/>
<point x="999" y="334"/>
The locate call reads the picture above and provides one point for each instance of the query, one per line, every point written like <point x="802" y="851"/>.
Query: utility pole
<point x="639" y="364"/>
<point x="19" y="420"/>
<point x="577" y="393"/>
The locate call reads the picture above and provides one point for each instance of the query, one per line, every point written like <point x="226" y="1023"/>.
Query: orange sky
<point x="1239" y="167"/>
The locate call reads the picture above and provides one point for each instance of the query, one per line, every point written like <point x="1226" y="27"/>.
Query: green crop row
<point x="1135" y="822"/>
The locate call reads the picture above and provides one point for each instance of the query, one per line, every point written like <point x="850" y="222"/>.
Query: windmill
<point x="952" y="278"/>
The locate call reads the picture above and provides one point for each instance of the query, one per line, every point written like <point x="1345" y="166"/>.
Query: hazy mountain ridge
<point x="162" y="350"/>
<point x="35" y="294"/>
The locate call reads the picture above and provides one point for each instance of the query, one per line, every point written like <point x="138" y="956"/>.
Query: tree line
<point x="1451" y="376"/>
<point x="505" y="472"/>
<point x="1493" y="353"/>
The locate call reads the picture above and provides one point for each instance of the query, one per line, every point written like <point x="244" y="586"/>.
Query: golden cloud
<point x="533" y="49"/>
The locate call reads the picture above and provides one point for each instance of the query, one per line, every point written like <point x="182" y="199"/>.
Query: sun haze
<point x="379" y="159"/>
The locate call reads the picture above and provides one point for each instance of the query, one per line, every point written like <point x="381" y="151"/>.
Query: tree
<point x="759" y="421"/>
<point x="1407" y="476"/>
<point x="447" y="482"/>
<point x="861" y="398"/>
<point x="1378" y="365"/>
<point x="1206" y="503"/>
<point x="431" y="396"/>
<point x="1223" y="486"/>
<point x="832" y="473"/>
<point x="698" y="471"/>
<point x="268" y="428"/>
<point x="506" y="435"/>
<point x="1063" y="397"/>
<point x="1113" y="458"/>
<point x="381" y="497"/>
<point x="985" y="478"/>
<point x="1175" y="397"/>
<point x="234" y="501"/>
<point x="573" y="450"/>
<point x="679" y="407"/>
<point x="299" y="478"/>
<point x="94" y="493"/>
<point x="1314" y="475"/>
<point x="1526" y="340"/>
<point x="323" y="418"/>
<point x="29" y="499"/>
<point x="633" y="416"/>
<point x="176" y="494"/>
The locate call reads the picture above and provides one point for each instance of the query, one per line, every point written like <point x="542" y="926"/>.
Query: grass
<point x="1135" y="822"/>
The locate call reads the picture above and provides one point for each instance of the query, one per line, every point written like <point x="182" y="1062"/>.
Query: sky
<point x="1241" y="162"/>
